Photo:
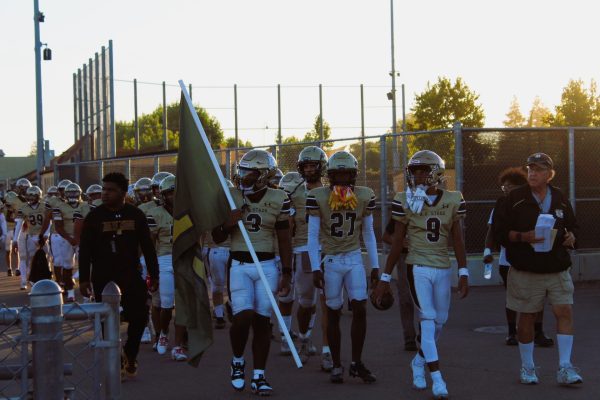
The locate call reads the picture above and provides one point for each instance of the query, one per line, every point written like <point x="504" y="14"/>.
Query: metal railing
<point x="54" y="351"/>
<point x="474" y="159"/>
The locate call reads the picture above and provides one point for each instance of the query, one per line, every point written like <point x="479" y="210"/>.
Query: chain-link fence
<point x="474" y="159"/>
<point x="51" y="351"/>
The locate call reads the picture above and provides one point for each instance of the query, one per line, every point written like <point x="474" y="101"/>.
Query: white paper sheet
<point x="543" y="229"/>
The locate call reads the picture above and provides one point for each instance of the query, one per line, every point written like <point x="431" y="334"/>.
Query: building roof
<point x="15" y="167"/>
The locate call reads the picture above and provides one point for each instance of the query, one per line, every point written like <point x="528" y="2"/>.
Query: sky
<point x="501" y="49"/>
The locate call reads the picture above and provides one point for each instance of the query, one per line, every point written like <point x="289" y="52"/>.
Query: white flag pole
<point x="241" y="226"/>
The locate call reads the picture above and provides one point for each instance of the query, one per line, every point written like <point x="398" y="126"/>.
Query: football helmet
<point x="342" y="162"/>
<point x="158" y="177"/>
<point x="290" y="181"/>
<point x="386" y="302"/>
<point x="22" y="185"/>
<point x="429" y="160"/>
<point x="33" y="195"/>
<point x="52" y="191"/>
<point x="312" y="154"/>
<point x="254" y="170"/>
<point x="73" y="193"/>
<point x="143" y="190"/>
<point x="93" y="189"/>
<point x="276" y="178"/>
<point x="10" y="198"/>
<point x="167" y="184"/>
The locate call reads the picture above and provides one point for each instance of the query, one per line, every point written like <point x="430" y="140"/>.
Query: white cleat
<point x="418" y="371"/>
<point x="528" y="376"/>
<point x="163" y="344"/>
<point x="146" y="336"/>
<point x="178" y="354"/>
<point x="237" y="375"/>
<point x="568" y="375"/>
<point x="440" y="392"/>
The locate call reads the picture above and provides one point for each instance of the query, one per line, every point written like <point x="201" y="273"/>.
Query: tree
<point x="439" y="106"/>
<point x="578" y="105"/>
<point x="287" y="155"/>
<point x="229" y="143"/>
<point x="539" y="115"/>
<point x="444" y="103"/>
<point x="151" y="129"/>
<point x="314" y="134"/>
<point x="33" y="149"/>
<point x="514" y="117"/>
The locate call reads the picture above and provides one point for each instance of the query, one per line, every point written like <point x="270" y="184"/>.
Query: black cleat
<point x="541" y="340"/>
<point x="220" y="323"/>
<point x="260" y="386"/>
<point x="9" y="272"/>
<point x="237" y="375"/>
<point x="18" y="272"/>
<point x="511" y="340"/>
<point x="337" y="375"/>
<point x="358" y="370"/>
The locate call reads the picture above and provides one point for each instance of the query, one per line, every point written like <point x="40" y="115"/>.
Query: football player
<point x="32" y="213"/>
<point x="311" y="165"/>
<point x="160" y="222"/>
<point x="9" y="216"/>
<point x="265" y="214"/>
<point x="429" y="216"/>
<point x="60" y="248"/>
<point x="94" y="195"/>
<point x="341" y="212"/>
<point x="68" y="217"/>
<point x="216" y="258"/>
<point x="156" y="180"/>
<point x="20" y="241"/>
<point x="144" y="195"/>
<point x="4" y="235"/>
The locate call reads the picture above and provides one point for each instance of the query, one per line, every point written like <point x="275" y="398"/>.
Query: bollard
<point x="111" y="295"/>
<point x="46" y="328"/>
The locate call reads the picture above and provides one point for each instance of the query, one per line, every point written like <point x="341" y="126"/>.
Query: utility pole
<point x="396" y="159"/>
<point x="37" y="18"/>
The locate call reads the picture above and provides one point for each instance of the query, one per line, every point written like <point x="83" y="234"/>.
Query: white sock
<point x="436" y="376"/>
<point x="238" y="360"/>
<point x="565" y="344"/>
<point x="325" y="349"/>
<point x="258" y="373"/>
<point x="419" y="360"/>
<point x="219" y="311"/>
<point x="428" y="340"/>
<point x="526" y="350"/>
<point x="287" y="320"/>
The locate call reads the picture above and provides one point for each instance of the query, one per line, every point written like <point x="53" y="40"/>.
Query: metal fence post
<point x="25" y="317"/>
<point x="46" y="327"/>
<point x="156" y="165"/>
<point x="363" y="150"/>
<point x="136" y="126"/>
<point x="572" y="197"/>
<point x="165" y="123"/>
<point x="128" y="169"/>
<point x="383" y="182"/>
<point x="458" y="155"/>
<point x="77" y="175"/>
<point x="111" y="295"/>
<point x="321" y="134"/>
<point x="100" y="170"/>
<point x="228" y="164"/>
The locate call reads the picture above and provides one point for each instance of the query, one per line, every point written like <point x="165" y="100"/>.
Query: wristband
<point x="463" y="271"/>
<point x="385" y="277"/>
<point x="487" y="252"/>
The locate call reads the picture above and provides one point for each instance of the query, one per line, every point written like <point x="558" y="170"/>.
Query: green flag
<point x="200" y="205"/>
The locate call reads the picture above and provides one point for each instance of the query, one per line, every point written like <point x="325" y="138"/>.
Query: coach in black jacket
<point x="535" y="275"/>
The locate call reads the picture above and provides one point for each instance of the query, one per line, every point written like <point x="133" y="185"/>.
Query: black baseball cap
<point x="541" y="159"/>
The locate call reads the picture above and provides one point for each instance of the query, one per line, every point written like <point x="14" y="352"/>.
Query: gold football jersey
<point x="146" y="207"/>
<point x="298" y="197"/>
<point x="33" y="216"/>
<point x="68" y="214"/>
<point x="340" y="230"/>
<point x="160" y="222"/>
<point x="428" y="232"/>
<point x="260" y="219"/>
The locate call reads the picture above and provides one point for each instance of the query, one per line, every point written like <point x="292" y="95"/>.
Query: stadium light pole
<point x="392" y="95"/>
<point x="37" y="18"/>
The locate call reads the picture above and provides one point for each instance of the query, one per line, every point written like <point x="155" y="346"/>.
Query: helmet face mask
<point x="254" y="171"/>
<point x="33" y="195"/>
<point x="317" y="159"/>
<point x="73" y="193"/>
<point x="425" y="168"/>
<point x="167" y="190"/>
<point x="143" y="190"/>
<point x="342" y="169"/>
<point x="22" y="186"/>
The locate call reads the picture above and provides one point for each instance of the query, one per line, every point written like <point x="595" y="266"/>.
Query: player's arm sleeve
<point x="368" y="234"/>
<point x="370" y="204"/>
<point x="398" y="212"/>
<point x="314" y="225"/>
<point x="461" y="210"/>
<point x="145" y="240"/>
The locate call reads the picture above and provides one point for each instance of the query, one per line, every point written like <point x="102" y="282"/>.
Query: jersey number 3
<point x="337" y="224"/>
<point x="254" y="220"/>
<point x="433" y="229"/>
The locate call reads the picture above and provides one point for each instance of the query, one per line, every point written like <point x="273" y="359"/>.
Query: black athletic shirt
<point x="110" y="241"/>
